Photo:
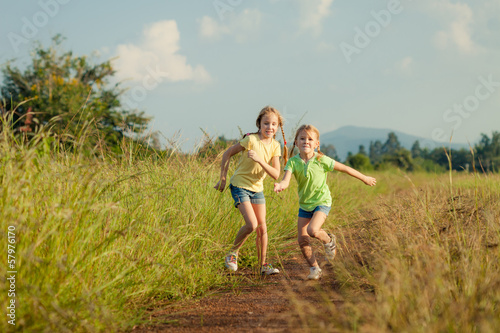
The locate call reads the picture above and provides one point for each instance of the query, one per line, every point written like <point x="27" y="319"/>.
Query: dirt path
<point x="268" y="307"/>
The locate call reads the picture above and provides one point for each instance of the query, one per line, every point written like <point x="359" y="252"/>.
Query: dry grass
<point x="425" y="259"/>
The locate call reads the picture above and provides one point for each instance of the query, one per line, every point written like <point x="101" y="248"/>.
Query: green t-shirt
<point x="311" y="180"/>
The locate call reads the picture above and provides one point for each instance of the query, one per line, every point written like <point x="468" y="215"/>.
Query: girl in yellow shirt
<point x="261" y="158"/>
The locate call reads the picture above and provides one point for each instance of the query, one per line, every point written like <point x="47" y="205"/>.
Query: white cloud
<point x="209" y="28"/>
<point x="241" y="26"/>
<point x="457" y="20"/>
<point x="157" y="55"/>
<point x="312" y="14"/>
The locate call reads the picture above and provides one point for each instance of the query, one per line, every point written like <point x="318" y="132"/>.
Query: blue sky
<point x="428" y="68"/>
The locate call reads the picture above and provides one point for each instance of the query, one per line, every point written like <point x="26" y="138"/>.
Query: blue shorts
<point x="309" y="215"/>
<point x="241" y="195"/>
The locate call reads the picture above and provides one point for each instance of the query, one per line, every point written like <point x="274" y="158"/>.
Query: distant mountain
<point x="349" y="138"/>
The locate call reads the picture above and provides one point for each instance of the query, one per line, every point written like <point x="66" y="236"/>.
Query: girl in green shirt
<point x="310" y="168"/>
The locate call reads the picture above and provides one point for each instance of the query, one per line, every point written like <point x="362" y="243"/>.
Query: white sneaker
<point x="315" y="273"/>
<point x="268" y="269"/>
<point x="231" y="261"/>
<point x="331" y="248"/>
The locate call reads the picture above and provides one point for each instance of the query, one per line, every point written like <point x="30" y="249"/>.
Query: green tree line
<point x="483" y="157"/>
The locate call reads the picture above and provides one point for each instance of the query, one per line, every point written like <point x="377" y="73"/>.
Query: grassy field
<point x="101" y="242"/>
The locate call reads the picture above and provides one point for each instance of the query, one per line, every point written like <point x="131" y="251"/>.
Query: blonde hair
<point x="308" y="129"/>
<point x="270" y="110"/>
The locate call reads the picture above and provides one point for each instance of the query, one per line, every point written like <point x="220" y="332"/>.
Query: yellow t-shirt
<point x="250" y="174"/>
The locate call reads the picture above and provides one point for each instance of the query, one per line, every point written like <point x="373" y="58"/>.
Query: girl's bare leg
<point x="247" y="211"/>
<point x="308" y="228"/>
<point x="314" y="227"/>
<point x="262" y="238"/>
<point x="305" y="241"/>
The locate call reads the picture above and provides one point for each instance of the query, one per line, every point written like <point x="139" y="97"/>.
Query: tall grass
<point x="421" y="259"/>
<point x="100" y="242"/>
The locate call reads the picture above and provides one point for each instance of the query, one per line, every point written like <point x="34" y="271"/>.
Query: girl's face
<point x="307" y="142"/>
<point x="269" y="125"/>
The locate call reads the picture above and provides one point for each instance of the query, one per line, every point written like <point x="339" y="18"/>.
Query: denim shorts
<point x="309" y="215"/>
<point x="241" y="195"/>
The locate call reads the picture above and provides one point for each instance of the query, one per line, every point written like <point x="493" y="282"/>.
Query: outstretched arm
<point x="278" y="187"/>
<point x="224" y="165"/>
<point x="370" y="181"/>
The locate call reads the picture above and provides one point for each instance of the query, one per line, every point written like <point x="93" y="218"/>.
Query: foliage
<point x="375" y="152"/>
<point x="488" y="152"/>
<point x="400" y="158"/>
<point x="72" y="95"/>
<point x="392" y="145"/>
<point x="427" y="165"/>
<point x="211" y="148"/>
<point x="329" y="150"/>
<point x="416" y="151"/>
<point x="486" y="156"/>
<point x="359" y="162"/>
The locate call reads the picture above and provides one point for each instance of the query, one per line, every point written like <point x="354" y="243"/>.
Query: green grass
<point x="101" y="243"/>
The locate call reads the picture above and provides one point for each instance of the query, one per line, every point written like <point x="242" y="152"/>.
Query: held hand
<point x="221" y="185"/>
<point x="278" y="187"/>
<point x="254" y="156"/>
<point x="370" y="181"/>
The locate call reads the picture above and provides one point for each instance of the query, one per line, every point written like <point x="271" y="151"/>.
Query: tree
<point x="416" y="151"/>
<point x="359" y="162"/>
<point x="392" y="145"/>
<point x="362" y="150"/>
<point x="400" y="158"/>
<point x="488" y="151"/>
<point x="71" y="95"/>
<point x="375" y="151"/>
<point x="329" y="150"/>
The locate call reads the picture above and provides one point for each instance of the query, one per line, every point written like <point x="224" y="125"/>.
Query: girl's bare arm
<point x="370" y="181"/>
<point x="278" y="187"/>
<point x="224" y="165"/>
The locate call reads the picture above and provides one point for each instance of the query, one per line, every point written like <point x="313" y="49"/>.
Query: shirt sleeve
<point x="245" y="142"/>
<point x="277" y="151"/>
<point x="328" y="163"/>
<point x="289" y="165"/>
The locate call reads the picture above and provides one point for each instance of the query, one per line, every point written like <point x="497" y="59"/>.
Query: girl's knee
<point x="303" y="240"/>
<point x="250" y="228"/>
<point x="261" y="230"/>
<point x="313" y="232"/>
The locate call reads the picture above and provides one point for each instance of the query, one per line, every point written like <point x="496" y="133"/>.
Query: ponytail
<point x="320" y="154"/>
<point x="285" y="149"/>
<point x="292" y="149"/>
